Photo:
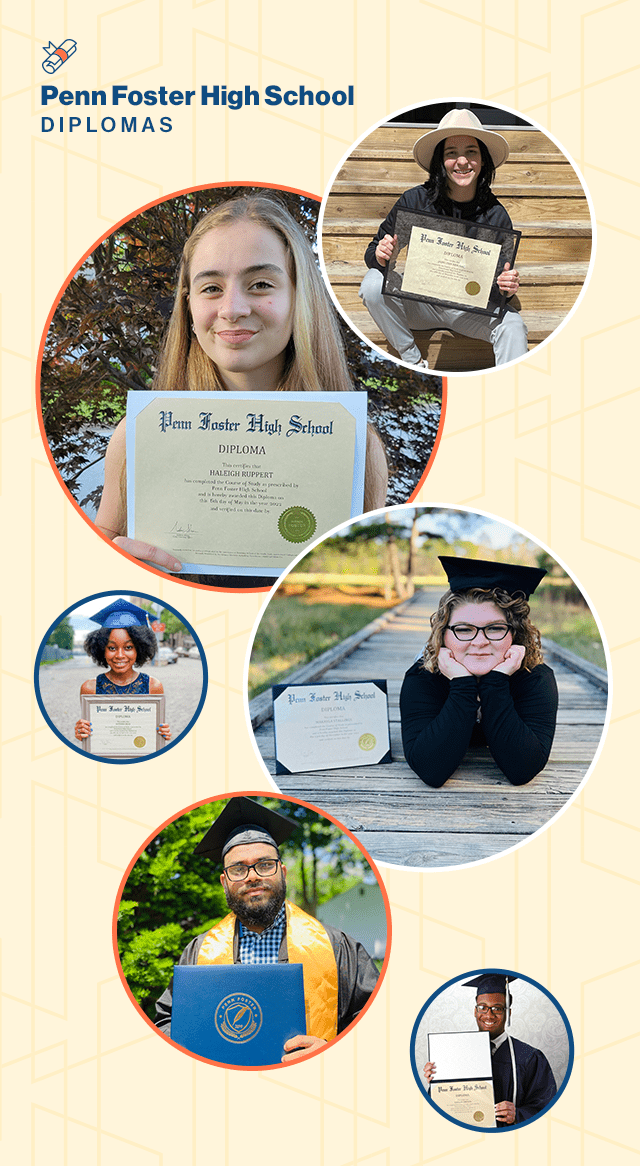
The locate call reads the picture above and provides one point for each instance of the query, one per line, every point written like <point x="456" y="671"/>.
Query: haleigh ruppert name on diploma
<point x="330" y="726"/>
<point x="237" y="483"/>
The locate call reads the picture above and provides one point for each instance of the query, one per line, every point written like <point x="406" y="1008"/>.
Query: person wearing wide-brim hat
<point x="264" y="927"/>
<point x="461" y="157"/>
<point x="122" y="640"/>
<point x="481" y="680"/>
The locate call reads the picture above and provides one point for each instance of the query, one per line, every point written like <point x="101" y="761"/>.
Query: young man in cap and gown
<point x="481" y="680"/>
<point x="523" y="1082"/>
<point x="264" y="927"/>
<point x="461" y="157"/>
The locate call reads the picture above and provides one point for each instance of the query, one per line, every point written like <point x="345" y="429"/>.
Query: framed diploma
<point x="330" y="726"/>
<point x="446" y="261"/>
<point x="463" y="1083"/>
<point x="123" y="726"/>
<point x="239" y="484"/>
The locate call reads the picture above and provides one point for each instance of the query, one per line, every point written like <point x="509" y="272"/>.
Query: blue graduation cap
<point x="491" y="982"/>
<point x="121" y="614"/>
<point x="463" y="574"/>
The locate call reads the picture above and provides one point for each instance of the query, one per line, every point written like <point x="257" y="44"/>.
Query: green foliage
<point x="173" y="895"/>
<point x="558" y="617"/>
<point x="171" y="622"/>
<point x="293" y="631"/>
<point x="62" y="635"/>
<point x="108" y="330"/>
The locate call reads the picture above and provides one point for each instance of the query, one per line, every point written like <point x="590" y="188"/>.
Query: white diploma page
<point x="463" y="1084"/>
<point x="240" y="483"/>
<point x="330" y="726"/>
<point x="458" y="1055"/>
<point x="450" y="267"/>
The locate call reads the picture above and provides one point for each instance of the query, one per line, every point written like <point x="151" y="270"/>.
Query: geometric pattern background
<point x="551" y="446"/>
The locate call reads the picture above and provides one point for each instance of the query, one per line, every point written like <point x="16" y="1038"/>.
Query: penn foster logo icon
<point x="57" y="56"/>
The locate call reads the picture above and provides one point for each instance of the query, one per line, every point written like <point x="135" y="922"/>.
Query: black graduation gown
<point x="536" y="1083"/>
<point x="357" y="975"/>
<point x="440" y="721"/>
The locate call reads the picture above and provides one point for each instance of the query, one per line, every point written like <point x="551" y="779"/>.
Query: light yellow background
<point x="551" y="446"/>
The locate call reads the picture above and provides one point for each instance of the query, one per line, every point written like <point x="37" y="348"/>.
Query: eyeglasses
<point x="494" y="1009"/>
<point x="264" y="867"/>
<point x="469" y="631"/>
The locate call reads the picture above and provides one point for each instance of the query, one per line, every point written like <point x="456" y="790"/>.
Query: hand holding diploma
<point x="385" y="248"/>
<point x="300" y="1046"/>
<point x="509" y="280"/>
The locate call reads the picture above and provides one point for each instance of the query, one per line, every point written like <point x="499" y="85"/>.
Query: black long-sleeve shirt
<point x="440" y="721"/>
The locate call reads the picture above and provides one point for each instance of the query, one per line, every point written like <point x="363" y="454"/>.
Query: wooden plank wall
<point x="540" y="190"/>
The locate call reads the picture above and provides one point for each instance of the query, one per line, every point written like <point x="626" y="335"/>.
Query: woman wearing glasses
<point x="481" y="680"/>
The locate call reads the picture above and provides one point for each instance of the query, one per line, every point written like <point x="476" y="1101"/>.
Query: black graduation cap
<point x="490" y="982"/>
<point x="463" y="574"/>
<point x="121" y="614"/>
<point x="243" y="821"/>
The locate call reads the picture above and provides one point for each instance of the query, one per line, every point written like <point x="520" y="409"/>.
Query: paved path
<point x="60" y="690"/>
<point x="478" y="812"/>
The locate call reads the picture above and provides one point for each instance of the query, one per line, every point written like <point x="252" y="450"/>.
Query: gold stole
<point x="307" y="944"/>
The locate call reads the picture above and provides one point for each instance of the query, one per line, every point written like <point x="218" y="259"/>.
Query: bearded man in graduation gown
<point x="523" y="1083"/>
<point x="264" y="927"/>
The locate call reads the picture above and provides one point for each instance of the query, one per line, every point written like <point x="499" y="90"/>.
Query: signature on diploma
<point x="183" y="530"/>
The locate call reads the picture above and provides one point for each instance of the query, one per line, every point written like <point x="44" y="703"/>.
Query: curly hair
<point x="437" y="182"/>
<point x="516" y="611"/>
<point x="142" y="638"/>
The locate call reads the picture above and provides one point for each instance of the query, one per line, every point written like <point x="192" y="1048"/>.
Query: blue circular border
<point x="425" y="1092"/>
<point x="99" y="595"/>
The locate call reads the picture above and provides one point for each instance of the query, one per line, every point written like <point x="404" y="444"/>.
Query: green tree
<point x="62" y="635"/>
<point x="173" y="895"/>
<point x="172" y="623"/>
<point x="107" y="331"/>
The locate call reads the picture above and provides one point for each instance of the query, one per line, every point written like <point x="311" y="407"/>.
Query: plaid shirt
<point x="262" y="947"/>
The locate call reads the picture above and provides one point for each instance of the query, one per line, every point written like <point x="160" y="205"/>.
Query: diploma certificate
<point x="330" y="726"/>
<point x="446" y="261"/>
<point x="469" y="1101"/>
<point x="123" y="726"/>
<point x="463" y="1083"/>
<point x="239" y="484"/>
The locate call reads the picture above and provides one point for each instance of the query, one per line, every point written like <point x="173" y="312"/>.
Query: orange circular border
<point x="140" y="210"/>
<point x="123" y="882"/>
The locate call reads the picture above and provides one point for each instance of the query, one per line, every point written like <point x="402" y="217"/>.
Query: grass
<point x="571" y="625"/>
<point x="294" y="631"/>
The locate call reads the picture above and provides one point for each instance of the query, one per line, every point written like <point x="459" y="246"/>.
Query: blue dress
<point x="138" y="687"/>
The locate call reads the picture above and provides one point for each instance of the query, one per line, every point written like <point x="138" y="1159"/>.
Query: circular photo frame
<point x="286" y="923"/>
<point x="476" y="267"/>
<point x="508" y="1070"/>
<point x="140" y="327"/>
<point x="121" y="716"/>
<point x="439" y="747"/>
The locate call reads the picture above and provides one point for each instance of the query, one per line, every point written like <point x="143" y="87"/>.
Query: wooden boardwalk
<point x="477" y="813"/>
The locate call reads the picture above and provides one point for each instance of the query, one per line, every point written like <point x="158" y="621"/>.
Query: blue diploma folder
<point x="240" y="1014"/>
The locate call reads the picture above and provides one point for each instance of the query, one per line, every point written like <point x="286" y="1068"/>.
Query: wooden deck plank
<point x="478" y="812"/>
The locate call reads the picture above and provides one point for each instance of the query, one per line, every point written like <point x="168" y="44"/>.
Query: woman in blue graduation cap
<point x="481" y="680"/>
<point x="122" y="642"/>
